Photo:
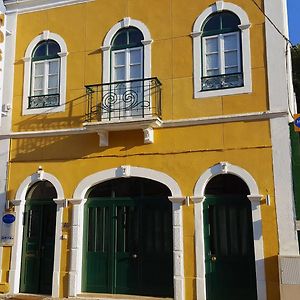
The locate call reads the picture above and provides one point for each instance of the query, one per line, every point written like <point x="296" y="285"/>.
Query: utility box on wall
<point x="289" y="272"/>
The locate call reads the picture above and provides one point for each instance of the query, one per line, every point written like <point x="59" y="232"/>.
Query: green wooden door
<point x="128" y="247"/>
<point x="229" y="248"/>
<point x="38" y="247"/>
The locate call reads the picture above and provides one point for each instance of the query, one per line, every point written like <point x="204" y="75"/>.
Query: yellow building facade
<point x="145" y="148"/>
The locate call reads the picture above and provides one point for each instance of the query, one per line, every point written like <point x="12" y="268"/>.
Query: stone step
<point x="93" y="296"/>
<point x="83" y="296"/>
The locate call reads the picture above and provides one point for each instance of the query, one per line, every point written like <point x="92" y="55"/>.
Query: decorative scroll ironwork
<point x="222" y="81"/>
<point x="43" y="101"/>
<point x="120" y="100"/>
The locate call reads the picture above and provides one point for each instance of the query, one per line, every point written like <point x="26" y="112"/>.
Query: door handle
<point x="213" y="258"/>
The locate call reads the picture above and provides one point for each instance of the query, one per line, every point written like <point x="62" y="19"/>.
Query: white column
<point x="15" y="265"/>
<point x="60" y="204"/>
<point x="178" y="254"/>
<point x="199" y="248"/>
<point x="279" y="99"/>
<point x="258" y="246"/>
<point x="6" y="95"/>
<point x="76" y="244"/>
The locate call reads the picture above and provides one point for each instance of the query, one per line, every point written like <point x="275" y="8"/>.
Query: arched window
<point x="127" y="55"/>
<point x="126" y="95"/>
<point x="45" y="75"/>
<point x="221" y="52"/>
<point x="45" y="63"/>
<point x="128" y="89"/>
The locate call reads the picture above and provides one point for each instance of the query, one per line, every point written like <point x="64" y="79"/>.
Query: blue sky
<point x="294" y="20"/>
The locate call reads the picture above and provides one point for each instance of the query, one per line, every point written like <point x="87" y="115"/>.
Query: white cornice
<point x="264" y="115"/>
<point x="25" y="6"/>
<point x="94" y="128"/>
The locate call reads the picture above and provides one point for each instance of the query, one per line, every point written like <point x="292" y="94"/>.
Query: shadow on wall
<point x="70" y="146"/>
<point x="272" y="277"/>
<point x="73" y="146"/>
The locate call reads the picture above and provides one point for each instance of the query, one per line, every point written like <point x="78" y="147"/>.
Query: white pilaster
<point x="280" y="99"/>
<point x="178" y="254"/>
<point x="76" y="247"/>
<point x="6" y="94"/>
<point x="60" y="204"/>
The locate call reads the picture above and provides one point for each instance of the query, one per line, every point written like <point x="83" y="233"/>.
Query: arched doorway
<point x="128" y="244"/>
<point x="38" y="239"/>
<point x="228" y="238"/>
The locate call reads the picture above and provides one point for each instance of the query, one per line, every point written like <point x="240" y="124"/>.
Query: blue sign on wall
<point x="297" y="122"/>
<point x="8" y="218"/>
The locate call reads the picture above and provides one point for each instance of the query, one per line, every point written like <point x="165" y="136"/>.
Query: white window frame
<point x="106" y="47"/>
<point x="128" y="64"/>
<point x="220" y="6"/>
<point x="45" y="75"/>
<point x="46" y="35"/>
<point x="221" y="53"/>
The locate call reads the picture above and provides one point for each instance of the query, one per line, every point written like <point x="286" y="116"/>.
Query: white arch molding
<point x="255" y="198"/>
<point x="44" y="36"/>
<point x="126" y="22"/>
<point x="219" y="6"/>
<point x="19" y="202"/>
<point x="79" y="200"/>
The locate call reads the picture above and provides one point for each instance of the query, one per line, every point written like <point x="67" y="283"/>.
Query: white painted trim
<point x="60" y="204"/>
<point x="45" y="35"/>
<point x="254" y="197"/>
<point x="26" y="6"/>
<point x="126" y="22"/>
<point x="266" y="115"/>
<point x="279" y="97"/>
<point x="16" y="256"/>
<point x="178" y="247"/>
<point x="6" y="93"/>
<point x="283" y="184"/>
<point x="246" y="54"/>
<point x="77" y="219"/>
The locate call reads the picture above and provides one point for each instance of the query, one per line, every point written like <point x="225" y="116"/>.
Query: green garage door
<point x="128" y="245"/>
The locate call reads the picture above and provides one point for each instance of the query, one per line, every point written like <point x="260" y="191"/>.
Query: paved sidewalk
<point x="81" y="297"/>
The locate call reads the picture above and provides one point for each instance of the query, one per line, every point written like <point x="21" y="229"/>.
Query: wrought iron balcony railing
<point x="133" y="99"/>
<point x="43" y="101"/>
<point x="222" y="81"/>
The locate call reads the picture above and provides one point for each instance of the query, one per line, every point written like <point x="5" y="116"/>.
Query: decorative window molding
<point x="19" y="202"/>
<point x="244" y="27"/>
<point x="106" y="47"/>
<point x="45" y="36"/>
<point x="255" y="199"/>
<point x="80" y="192"/>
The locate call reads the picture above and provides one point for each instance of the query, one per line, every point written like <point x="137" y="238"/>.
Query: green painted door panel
<point x="31" y="250"/>
<point x="229" y="248"/>
<point x="156" y="247"/>
<point x="47" y="248"/>
<point x="38" y="247"/>
<point x="126" y="243"/>
<point x="97" y="242"/>
<point x="136" y="240"/>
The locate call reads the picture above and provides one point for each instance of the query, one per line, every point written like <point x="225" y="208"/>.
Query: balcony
<point x="124" y="105"/>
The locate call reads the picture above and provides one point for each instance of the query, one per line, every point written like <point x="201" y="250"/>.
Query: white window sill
<point x="222" y="92"/>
